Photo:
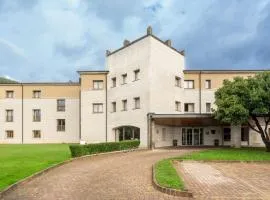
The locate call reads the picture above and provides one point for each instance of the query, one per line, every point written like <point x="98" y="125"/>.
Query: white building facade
<point x="145" y="93"/>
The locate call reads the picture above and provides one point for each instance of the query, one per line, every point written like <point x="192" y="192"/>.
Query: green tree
<point x="246" y="101"/>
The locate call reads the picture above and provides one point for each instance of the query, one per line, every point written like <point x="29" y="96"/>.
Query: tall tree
<point x="246" y="101"/>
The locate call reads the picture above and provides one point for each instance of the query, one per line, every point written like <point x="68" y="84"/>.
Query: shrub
<point x="80" y="150"/>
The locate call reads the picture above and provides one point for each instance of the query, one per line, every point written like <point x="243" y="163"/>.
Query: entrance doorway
<point x="192" y="136"/>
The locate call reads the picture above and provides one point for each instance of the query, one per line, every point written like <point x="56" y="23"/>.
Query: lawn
<point x="20" y="161"/>
<point x="242" y="154"/>
<point x="167" y="176"/>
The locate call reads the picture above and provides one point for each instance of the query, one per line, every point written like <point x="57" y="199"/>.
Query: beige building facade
<point x="145" y="93"/>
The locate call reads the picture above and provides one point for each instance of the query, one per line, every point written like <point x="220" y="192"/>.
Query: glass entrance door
<point x="192" y="136"/>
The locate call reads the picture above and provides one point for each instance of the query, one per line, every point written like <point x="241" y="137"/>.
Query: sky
<point x="49" y="40"/>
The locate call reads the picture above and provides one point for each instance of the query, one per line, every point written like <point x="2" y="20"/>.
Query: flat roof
<point x="41" y="83"/>
<point x="93" y="72"/>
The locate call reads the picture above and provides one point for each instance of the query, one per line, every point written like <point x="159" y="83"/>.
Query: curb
<point x="46" y="170"/>
<point x="169" y="191"/>
<point x="228" y="161"/>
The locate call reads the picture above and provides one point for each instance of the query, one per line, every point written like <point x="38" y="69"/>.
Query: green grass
<point x="167" y="176"/>
<point x="20" y="161"/>
<point x="242" y="154"/>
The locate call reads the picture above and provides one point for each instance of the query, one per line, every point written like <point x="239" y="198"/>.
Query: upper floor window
<point x="189" y="107"/>
<point x="61" y="124"/>
<point x="36" y="134"/>
<point x="36" y="94"/>
<point x="136" y="74"/>
<point x="124" y="78"/>
<point x="189" y="84"/>
<point x="36" y="115"/>
<point x="9" y="115"/>
<point x="208" y="107"/>
<point x="208" y="84"/>
<point x="61" y="105"/>
<point x="177" y="81"/>
<point x="9" y="94"/>
<point x="98" y="84"/>
<point x="137" y="103"/>
<point x="177" y="106"/>
<point x="114" y="106"/>
<point x="97" y="108"/>
<point x="124" y="104"/>
<point x="9" y="134"/>
<point x="114" y="82"/>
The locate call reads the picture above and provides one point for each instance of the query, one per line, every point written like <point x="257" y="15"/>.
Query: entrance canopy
<point x="185" y="119"/>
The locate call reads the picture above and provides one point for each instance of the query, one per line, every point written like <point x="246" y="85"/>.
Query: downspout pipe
<point x="22" y="113"/>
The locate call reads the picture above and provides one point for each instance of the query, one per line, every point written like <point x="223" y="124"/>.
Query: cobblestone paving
<point x="227" y="180"/>
<point x="116" y="176"/>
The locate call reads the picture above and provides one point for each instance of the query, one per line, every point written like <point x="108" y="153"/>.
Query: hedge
<point x="88" y="149"/>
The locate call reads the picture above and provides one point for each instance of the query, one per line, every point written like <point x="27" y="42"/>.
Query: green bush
<point x="88" y="149"/>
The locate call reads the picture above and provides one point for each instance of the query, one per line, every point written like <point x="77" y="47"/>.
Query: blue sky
<point x="48" y="40"/>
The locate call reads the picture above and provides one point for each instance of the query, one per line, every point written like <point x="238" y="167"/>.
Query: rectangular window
<point x="189" y="107"/>
<point x="177" y="81"/>
<point x="244" y="133"/>
<point x="136" y="74"/>
<point x="36" y="134"/>
<point x="163" y="134"/>
<point x="61" y="124"/>
<point x="208" y="84"/>
<point x="61" y="105"/>
<point x="124" y="78"/>
<point x="36" y="115"/>
<point x="189" y="84"/>
<point x="113" y="106"/>
<point x="98" y="85"/>
<point x="227" y="134"/>
<point x="9" y="115"/>
<point x="177" y="106"/>
<point x="208" y="107"/>
<point x="136" y="102"/>
<point x="36" y="94"/>
<point x="10" y="94"/>
<point x="97" y="108"/>
<point x="9" y="134"/>
<point x="114" y="82"/>
<point x="124" y="104"/>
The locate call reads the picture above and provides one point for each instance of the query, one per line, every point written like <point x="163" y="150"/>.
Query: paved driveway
<point x="116" y="176"/>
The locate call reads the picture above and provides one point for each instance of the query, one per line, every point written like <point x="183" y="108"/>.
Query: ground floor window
<point x="127" y="133"/>
<point x="227" y="134"/>
<point x="192" y="136"/>
<point x="244" y="134"/>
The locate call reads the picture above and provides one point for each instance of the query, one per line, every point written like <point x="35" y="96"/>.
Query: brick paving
<point x="116" y="176"/>
<point x="226" y="180"/>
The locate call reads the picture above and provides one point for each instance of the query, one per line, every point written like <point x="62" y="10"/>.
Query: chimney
<point x="108" y="52"/>
<point x="126" y="43"/>
<point x="168" y="42"/>
<point x="182" y="52"/>
<point x="149" y="30"/>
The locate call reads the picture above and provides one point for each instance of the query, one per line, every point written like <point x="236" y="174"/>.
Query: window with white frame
<point x="36" y="115"/>
<point x="61" y="125"/>
<point x="98" y="84"/>
<point x="114" y="82"/>
<point x="189" y="107"/>
<point x="177" y="81"/>
<point x="9" y="115"/>
<point x="124" y="104"/>
<point x="114" y="106"/>
<point x="97" y="108"/>
<point x="208" y="84"/>
<point x="124" y="78"/>
<point x="36" y="134"/>
<point x="189" y="84"/>
<point x="178" y="106"/>
<point x="9" y="94"/>
<point x="36" y="94"/>
<point x="9" y="134"/>
<point x="137" y="103"/>
<point x="208" y="107"/>
<point x="136" y="74"/>
<point x="61" y="105"/>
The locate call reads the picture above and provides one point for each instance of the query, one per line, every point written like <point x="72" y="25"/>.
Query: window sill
<point x="97" y="112"/>
<point x="123" y="83"/>
<point x="97" y="89"/>
<point x="135" y="80"/>
<point x="136" y="108"/>
<point x="189" y="88"/>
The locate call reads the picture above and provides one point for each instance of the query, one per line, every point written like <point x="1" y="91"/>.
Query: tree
<point x="246" y="101"/>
